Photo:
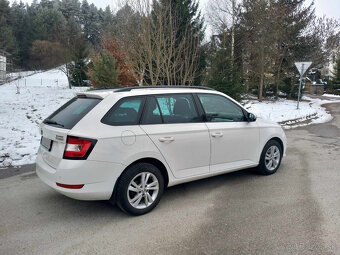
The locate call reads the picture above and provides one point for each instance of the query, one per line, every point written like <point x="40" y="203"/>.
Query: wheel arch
<point x="279" y="141"/>
<point x="149" y="160"/>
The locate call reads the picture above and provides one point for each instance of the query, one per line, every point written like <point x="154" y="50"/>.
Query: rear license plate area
<point x="46" y="143"/>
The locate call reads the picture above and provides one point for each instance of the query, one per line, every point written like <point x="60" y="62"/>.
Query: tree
<point x="22" y="31"/>
<point x="114" y="62"/>
<point x="70" y="9"/>
<point x="255" y="23"/>
<point x="277" y="33"/>
<point x="46" y="54"/>
<point x="7" y="39"/>
<point x="90" y="20"/>
<point x="127" y="76"/>
<point x="222" y="74"/>
<point x="336" y="73"/>
<point x="74" y="58"/>
<point x="163" y="39"/>
<point x="103" y="73"/>
<point x="187" y="37"/>
<point x="78" y="65"/>
<point x="223" y="16"/>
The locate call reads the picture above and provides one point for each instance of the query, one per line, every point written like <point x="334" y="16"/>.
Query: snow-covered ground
<point x="331" y="95"/>
<point x="286" y="113"/>
<point x="43" y="92"/>
<point x="20" y="114"/>
<point x="12" y="76"/>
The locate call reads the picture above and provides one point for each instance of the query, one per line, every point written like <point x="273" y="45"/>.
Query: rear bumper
<point x="98" y="178"/>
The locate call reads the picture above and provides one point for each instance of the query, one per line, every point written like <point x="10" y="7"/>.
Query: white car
<point x="127" y="145"/>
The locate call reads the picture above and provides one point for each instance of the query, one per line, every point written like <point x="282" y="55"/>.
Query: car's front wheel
<point x="140" y="188"/>
<point x="270" y="158"/>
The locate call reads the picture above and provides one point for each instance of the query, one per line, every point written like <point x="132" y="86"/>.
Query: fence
<point x="28" y="82"/>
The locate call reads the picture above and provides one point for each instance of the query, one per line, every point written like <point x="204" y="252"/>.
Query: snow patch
<point x="285" y="111"/>
<point x="331" y="95"/>
<point x="21" y="114"/>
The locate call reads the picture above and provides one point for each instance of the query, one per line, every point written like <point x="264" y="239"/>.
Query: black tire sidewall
<point x="127" y="176"/>
<point x="262" y="167"/>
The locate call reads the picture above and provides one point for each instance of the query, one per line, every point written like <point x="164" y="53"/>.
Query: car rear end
<point x="64" y="158"/>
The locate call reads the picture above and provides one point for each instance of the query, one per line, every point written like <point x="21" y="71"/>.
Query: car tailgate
<point x="56" y="138"/>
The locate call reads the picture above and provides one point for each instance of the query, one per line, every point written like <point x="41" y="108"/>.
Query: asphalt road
<point x="296" y="211"/>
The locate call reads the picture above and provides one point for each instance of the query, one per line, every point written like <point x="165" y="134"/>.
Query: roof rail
<point x="161" y="87"/>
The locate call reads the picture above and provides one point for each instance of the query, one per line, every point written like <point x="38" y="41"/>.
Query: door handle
<point x="217" y="134"/>
<point x="166" y="139"/>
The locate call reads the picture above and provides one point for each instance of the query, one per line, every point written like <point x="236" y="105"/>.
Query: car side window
<point x="152" y="114"/>
<point x="220" y="109"/>
<point x="125" y="112"/>
<point x="177" y="108"/>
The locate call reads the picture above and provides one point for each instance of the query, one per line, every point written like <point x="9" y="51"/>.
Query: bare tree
<point x="222" y="15"/>
<point x="151" y="38"/>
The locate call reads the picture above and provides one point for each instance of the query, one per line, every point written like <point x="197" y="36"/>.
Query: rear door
<point x="173" y="123"/>
<point x="234" y="140"/>
<point x="55" y="128"/>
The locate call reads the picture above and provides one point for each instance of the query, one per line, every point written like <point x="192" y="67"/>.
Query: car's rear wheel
<point x="270" y="158"/>
<point x="140" y="188"/>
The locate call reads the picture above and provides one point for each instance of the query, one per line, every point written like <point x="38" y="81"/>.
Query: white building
<point x="329" y="69"/>
<point x="3" y="62"/>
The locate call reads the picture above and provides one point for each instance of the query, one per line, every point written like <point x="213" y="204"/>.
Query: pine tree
<point x="70" y="9"/>
<point x="7" y="39"/>
<point x="106" y="18"/>
<point x="78" y="65"/>
<point x="103" y="73"/>
<point x="222" y="74"/>
<point x="336" y="73"/>
<point x="94" y="26"/>
<point x="85" y="17"/>
<point x="267" y="25"/>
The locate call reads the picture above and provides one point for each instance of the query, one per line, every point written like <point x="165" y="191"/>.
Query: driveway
<point x="296" y="211"/>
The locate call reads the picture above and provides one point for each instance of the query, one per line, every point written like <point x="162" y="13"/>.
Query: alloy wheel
<point x="272" y="158"/>
<point x="143" y="190"/>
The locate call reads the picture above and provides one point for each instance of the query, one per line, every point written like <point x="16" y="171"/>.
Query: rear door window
<point x="177" y="108"/>
<point x="127" y="111"/>
<point x="72" y="112"/>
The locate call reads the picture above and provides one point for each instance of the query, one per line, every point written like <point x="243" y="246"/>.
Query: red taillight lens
<point x="78" y="148"/>
<point x="70" y="186"/>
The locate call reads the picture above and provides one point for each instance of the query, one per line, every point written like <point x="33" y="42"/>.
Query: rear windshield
<point x="72" y="112"/>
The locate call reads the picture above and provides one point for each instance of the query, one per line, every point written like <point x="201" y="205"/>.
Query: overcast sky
<point x="330" y="8"/>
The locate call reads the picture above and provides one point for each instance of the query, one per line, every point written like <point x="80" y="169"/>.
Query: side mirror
<point x="251" y="117"/>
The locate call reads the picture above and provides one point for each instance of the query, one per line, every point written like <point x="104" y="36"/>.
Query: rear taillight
<point x="78" y="148"/>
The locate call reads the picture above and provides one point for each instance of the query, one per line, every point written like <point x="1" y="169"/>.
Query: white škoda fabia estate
<point x="127" y="145"/>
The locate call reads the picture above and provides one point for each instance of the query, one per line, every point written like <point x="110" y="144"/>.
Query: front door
<point x="173" y="124"/>
<point x="234" y="140"/>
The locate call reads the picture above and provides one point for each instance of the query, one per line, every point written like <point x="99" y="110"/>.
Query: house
<point x="3" y="65"/>
<point x="329" y="68"/>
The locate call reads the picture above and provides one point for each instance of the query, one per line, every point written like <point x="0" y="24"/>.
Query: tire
<point x="270" y="150"/>
<point x="132" y="196"/>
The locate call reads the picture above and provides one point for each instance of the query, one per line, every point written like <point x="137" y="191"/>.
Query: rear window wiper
<point x="49" y="121"/>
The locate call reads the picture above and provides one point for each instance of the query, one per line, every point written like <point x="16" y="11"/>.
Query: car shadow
<point x="173" y="196"/>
